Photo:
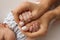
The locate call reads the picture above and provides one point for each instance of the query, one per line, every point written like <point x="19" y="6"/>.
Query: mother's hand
<point x="26" y="6"/>
<point x="35" y="9"/>
<point x="43" y="23"/>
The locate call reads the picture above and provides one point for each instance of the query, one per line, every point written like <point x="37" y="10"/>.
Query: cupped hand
<point x="42" y="22"/>
<point x="34" y="12"/>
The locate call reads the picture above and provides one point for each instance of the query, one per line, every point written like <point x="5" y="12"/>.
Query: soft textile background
<point x="7" y="5"/>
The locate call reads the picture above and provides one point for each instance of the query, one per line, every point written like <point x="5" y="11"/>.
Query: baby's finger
<point x="30" y="29"/>
<point x="36" y="27"/>
<point x="24" y="18"/>
<point x="33" y="28"/>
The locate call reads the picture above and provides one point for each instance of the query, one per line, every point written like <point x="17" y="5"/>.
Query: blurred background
<point x="7" y="5"/>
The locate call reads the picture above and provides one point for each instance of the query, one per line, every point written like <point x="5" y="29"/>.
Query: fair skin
<point x="48" y="16"/>
<point x="34" y="9"/>
<point x="6" y="33"/>
<point x="42" y="21"/>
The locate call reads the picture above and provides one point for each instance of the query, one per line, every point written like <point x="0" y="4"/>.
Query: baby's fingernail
<point x="21" y="23"/>
<point x="24" y="28"/>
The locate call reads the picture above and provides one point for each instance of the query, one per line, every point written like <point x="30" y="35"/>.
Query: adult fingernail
<point x="21" y="23"/>
<point x="24" y="28"/>
<point x="20" y="17"/>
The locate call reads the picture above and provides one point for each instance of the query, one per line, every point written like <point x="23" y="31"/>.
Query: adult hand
<point x="43" y="23"/>
<point x="35" y="9"/>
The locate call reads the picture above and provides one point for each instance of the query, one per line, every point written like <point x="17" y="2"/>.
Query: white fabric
<point x="13" y="26"/>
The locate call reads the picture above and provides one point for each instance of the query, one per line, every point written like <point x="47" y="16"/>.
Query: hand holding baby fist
<point x="26" y="6"/>
<point x="33" y="28"/>
<point x="35" y="11"/>
<point x="26" y="17"/>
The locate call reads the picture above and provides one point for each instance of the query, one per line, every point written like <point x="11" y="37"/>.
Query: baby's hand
<point x="33" y="28"/>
